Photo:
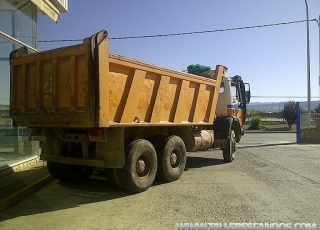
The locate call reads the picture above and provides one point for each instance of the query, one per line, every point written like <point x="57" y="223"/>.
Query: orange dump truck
<point x="135" y="121"/>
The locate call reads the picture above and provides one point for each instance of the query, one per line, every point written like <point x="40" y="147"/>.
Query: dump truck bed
<point x="85" y="86"/>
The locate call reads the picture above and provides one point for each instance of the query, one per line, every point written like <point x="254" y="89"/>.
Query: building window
<point x="18" y="19"/>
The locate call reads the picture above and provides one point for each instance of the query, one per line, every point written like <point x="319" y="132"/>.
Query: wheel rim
<point x="233" y="145"/>
<point x="175" y="158"/>
<point x="143" y="166"/>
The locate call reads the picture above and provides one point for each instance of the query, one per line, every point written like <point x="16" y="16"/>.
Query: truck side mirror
<point x="248" y="96"/>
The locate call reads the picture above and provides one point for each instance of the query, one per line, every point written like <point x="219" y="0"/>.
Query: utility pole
<point x="319" y="55"/>
<point x="308" y="65"/>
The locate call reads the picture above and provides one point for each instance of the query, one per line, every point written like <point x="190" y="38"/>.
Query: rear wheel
<point x="172" y="158"/>
<point x="77" y="173"/>
<point x="56" y="170"/>
<point x="112" y="177"/>
<point x="140" y="167"/>
<point x="68" y="172"/>
<point x="229" y="152"/>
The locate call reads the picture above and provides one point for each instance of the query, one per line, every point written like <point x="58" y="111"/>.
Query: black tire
<point x="77" y="173"/>
<point x="138" y="179"/>
<point x="68" y="172"/>
<point x="112" y="177"/>
<point x="56" y="170"/>
<point x="172" y="158"/>
<point x="229" y="152"/>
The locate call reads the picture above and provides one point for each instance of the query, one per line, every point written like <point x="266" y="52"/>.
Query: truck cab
<point x="231" y="112"/>
<point x="233" y="97"/>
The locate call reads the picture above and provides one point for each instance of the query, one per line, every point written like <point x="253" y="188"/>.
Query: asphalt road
<point x="272" y="180"/>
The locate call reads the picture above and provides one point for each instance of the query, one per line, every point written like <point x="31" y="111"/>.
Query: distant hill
<point x="4" y="107"/>
<point x="278" y="106"/>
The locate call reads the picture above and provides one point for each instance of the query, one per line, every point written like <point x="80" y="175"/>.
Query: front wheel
<point x="140" y="167"/>
<point x="229" y="152"/>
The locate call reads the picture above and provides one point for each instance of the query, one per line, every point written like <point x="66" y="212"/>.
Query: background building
<point x="18" y="27"/>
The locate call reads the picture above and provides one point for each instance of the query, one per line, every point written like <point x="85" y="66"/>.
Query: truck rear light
<point x="96" y="132"/>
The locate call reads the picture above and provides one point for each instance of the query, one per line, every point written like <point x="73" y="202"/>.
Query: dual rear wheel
<point x="69" y="172"/>
<point x="164" y="158"/>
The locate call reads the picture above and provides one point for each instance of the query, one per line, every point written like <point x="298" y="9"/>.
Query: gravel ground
<point x="272" y="180"/>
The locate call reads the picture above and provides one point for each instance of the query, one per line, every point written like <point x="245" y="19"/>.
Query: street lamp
<point x="308" y="64"/>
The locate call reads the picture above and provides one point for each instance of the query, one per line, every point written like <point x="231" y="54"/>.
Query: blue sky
<point x="271" y="59"/>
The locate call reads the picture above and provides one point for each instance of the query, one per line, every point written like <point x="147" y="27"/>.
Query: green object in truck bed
<point x="197" y="69"/>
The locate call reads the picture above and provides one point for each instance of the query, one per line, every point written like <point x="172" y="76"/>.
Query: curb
<point x="15" y="197"/>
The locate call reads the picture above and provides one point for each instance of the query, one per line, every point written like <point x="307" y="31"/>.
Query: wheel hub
<point x="141" y="165"/>
<point x="173" y="158"/>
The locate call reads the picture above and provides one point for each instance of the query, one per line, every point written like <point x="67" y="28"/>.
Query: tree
<point x="289" y="113"/>
<point x="317" y="109"/>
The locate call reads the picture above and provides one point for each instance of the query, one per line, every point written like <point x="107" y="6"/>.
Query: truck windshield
<point x="222" y="87"/>
<point x="234" y="94"/>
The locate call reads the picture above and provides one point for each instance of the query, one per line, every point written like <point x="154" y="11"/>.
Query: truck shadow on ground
<point x="57" y="195"/>
<point x="200" y="162"/>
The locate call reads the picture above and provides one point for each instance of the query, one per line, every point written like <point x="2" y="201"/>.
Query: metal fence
<point x="307" y="122"/>
<point x="308" y="128"/>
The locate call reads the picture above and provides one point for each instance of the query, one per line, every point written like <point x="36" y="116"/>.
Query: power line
<point x="211" y="31"/>
<point x="187" y="33"/>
